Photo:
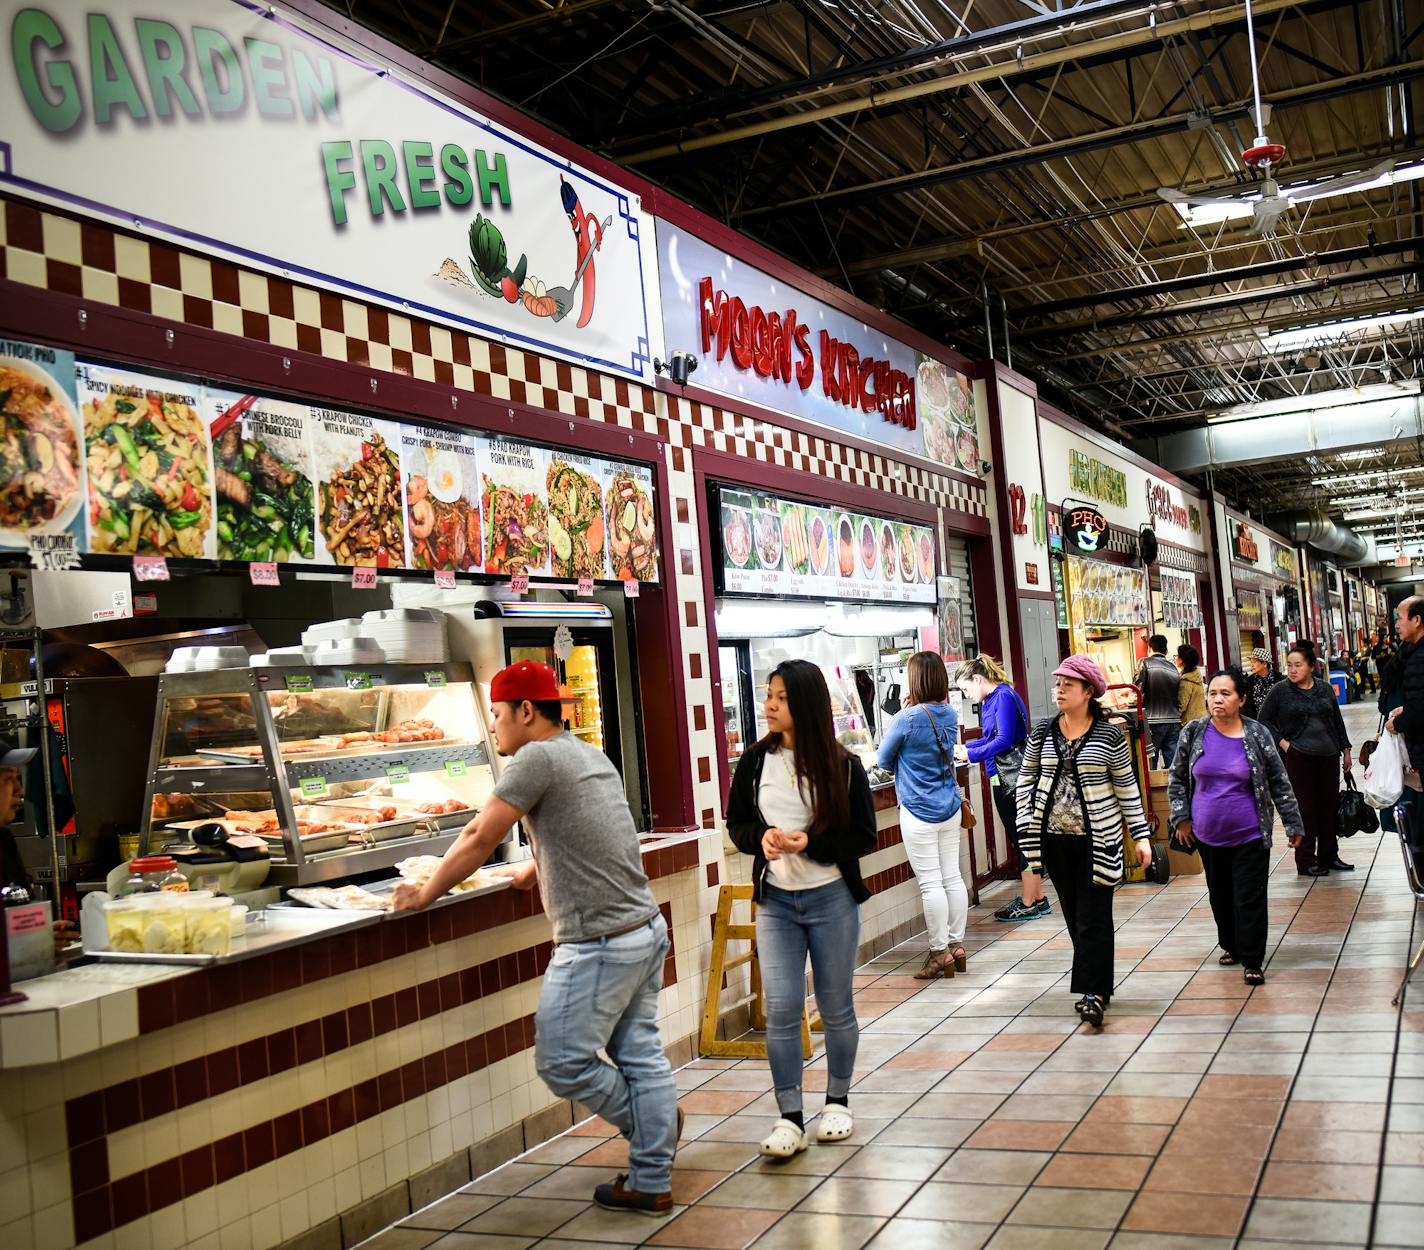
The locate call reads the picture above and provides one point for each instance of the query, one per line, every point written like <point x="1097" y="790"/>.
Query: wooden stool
<point x="709" y="1045"/>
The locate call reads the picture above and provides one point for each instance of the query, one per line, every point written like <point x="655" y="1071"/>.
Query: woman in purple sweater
<point x="1226" y="777"/>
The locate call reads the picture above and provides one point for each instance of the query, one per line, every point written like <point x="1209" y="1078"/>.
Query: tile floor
<point x="1203" y="1116"/>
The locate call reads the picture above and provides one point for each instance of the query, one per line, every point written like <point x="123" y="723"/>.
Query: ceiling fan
<point x="1269" y="204"/>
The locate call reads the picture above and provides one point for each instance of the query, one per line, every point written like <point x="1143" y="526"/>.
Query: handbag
<point x="1353" y="814"/>
<point x="1007" y="763"/>
<point x="967" y="819"/>
<point x="890" y="705"/>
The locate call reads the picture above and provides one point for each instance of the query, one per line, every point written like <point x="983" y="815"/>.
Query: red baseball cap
<point x="525" y="680"/>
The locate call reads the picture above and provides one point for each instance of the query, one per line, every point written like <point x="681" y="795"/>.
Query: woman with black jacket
<point x="1305" y="720"/>
<point x="800" y="805"/>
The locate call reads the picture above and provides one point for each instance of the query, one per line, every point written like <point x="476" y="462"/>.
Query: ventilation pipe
<point x="1325" y="535"/>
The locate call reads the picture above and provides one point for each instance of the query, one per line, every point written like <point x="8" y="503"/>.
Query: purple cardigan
<point x="1003" y="720"/>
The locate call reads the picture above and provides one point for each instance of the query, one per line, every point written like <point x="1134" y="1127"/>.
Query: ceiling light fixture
<point x="1308" y="336"/>
<point x="1210" y="214"/>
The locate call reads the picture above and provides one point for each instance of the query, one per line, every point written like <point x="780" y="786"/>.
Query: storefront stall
<point x="1263" y="604"/>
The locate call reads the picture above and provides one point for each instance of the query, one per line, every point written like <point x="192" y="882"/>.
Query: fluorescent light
<point x="1323" y="335"/>
<point x="1210" y="214"/>
<point x="1314" y="401"/>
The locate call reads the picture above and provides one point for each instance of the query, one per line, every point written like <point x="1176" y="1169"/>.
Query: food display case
<point x="340" y="772"/>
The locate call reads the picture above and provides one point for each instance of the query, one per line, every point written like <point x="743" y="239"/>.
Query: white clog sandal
<point x="835" y="1124"/>
<point x="785" y="1141"/>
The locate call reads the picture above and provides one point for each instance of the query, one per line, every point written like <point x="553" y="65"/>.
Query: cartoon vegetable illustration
<point x="489" y="261"/>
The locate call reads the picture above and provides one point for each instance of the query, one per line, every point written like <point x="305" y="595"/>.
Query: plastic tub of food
<point x="164" y="923"/>
<point x="123" y="918"/>
<point x="207" y="926"/>
<point x="237" y="920"/>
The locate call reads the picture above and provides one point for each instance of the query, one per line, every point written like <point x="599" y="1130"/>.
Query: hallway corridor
<point x="1205" y="1114"/>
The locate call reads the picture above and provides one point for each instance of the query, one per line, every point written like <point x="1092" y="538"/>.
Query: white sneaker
<point x="835" y="1124"/>
<point x="785" y="1141"/>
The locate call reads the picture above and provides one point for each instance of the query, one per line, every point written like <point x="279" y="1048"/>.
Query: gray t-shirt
<point x="591" y="874"/>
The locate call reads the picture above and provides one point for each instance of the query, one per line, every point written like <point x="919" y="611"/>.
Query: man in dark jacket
<point x="1408" y="719"/>
<point x="1259" y="681"/>
<point x="1158" y="680"/>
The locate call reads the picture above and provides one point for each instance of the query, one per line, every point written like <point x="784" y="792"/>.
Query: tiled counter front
<point x="317" y="1093"/>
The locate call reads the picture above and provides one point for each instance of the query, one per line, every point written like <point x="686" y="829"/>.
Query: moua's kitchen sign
<point x="245" y="131"/>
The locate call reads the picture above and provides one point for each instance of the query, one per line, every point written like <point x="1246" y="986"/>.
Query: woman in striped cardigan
<point x="1076" y="788"/>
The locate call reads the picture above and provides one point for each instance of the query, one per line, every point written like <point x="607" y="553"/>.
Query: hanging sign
<point x="1085" y="528"/>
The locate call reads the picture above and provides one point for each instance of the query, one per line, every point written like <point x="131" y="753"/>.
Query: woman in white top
<point x="800" y="805"/>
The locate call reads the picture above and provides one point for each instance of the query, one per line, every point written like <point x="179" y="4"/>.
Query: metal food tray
<point x="253" y="755"/>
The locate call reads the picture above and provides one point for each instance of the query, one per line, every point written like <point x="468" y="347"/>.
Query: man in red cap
<point x="601" y="987"/>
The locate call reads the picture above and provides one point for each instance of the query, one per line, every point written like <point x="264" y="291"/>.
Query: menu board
<point x="41" y="438"/>
<point x="176" y="469"/>
<point x="784" y="548"/>
<point x="1107" y="594"/>
<point x="1180" y="609"/>
<point x="149" y="463"/>
<point x="944" y="401"/>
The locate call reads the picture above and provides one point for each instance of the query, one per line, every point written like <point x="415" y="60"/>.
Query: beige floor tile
<point x="763" y="1190"/>
<point x="800" y="1230"/>
<point x="1294" y="1220"/>
<point x="994" y="1167"/>
<point x="909" y="1163"/>
<point x="1070" y="1208"/>
<point x="451" y="1212"/>
<point x="509" y="1179"/>
<point x="934" y="1234"/>
<point x="961" y="1201"/>
<point x="1027" y="1237"/>
<point x="525" y="1217"/>
<point x="860" y="1195"/>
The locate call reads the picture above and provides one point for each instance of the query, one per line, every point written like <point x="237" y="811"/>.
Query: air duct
<point x="1325" y="535"/>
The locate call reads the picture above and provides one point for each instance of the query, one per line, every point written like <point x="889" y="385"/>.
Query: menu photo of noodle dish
<point x="41" y="462"/>
<point x="360" y="514"/>
<point x="442" y="499"/>
<point x="578" y="531"/>
<point x="632" y="524"/>
<point x="514" y="500"/>
<point x="149" y="463"/>
<point x="944" y="402"/>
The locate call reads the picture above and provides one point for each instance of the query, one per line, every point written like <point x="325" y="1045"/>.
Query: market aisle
<point x="987" y="1116"/>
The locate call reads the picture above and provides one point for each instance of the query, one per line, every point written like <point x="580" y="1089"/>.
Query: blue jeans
<point x="826" y="923"/>
<point x="1163" y="735"/>
<point x="604" y="994"/>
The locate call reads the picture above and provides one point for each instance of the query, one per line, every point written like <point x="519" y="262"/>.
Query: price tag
<point x="585" y="588"/>
<point x="358" y="681"/>
<point x="262" y="573"/>
<point x="630" y="588"/>
<point x="299" y="683"/>
<point x="519" y="583"/>
<point x="435" y="679"/>
<point x="363" y="577"/>
<point x="53" y="552"/>
<point x="455" y="768"/>
<point x="398" y="775"/>
<point x="313" y="787"/>
<point x="444" y="579"/>
<point x="150" y="569"/>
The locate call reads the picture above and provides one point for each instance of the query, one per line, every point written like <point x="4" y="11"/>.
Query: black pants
<point x="1236" y="884"/>
<point x="1316" y="782"/>
<point x="1087" y="911"/>
<point x="1007" y="808"/>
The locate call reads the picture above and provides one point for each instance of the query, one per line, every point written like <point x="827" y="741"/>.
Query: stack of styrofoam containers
<point x="343" y="652"/>
<point x="328" y="631"/>
<point x="288" y="657"/>
<point x="408" y="635"/>
<point x="205" y="659"/>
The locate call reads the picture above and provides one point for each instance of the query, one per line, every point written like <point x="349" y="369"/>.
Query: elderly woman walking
<point x="1076" y="788"/>
<point x="1227" y="784"/>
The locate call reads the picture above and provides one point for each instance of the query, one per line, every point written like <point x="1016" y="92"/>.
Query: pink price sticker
<point x="363" y="577"/>
<point x="519" y="583"/>
<point x="585" y="588"/>
<point x="630" y="588"/>
<point x="263" y="573"/>
<point x="445" y="579"/>
<point x="150" y="569"/>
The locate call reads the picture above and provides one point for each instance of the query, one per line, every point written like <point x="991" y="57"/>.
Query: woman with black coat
<point x="1305" y="720"/>
<point x="800" y="805"/>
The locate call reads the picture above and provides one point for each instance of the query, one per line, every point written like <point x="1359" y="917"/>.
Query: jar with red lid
<point x="154" y="874"/>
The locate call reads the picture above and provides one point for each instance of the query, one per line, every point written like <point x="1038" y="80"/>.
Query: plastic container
<point x="175" y="882"/>
<point x="347" y="651"/>
<point x="207" y="926"/>
<point x="146" y="875"/>
<point x="163" y="923"/>
<point x="1341" y="685"/>
<point x="326" y="631"/>
<point x="237" y="920"/>
<point x="123" y="918"/>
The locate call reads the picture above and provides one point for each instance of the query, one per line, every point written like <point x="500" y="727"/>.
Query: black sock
<point x="839" y="1100"/>
<point x="796" y="1118"/>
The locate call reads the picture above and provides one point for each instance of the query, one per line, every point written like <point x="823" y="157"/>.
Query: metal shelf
<point x="427" y="759"/>
<point x="339" y="864"/>
<point x="219" y="779"/>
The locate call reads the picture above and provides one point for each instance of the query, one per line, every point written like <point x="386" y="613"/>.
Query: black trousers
<point x="1007" y="807"/>
<point x="1236" y="884"/>
<point x="1316" y="782"/>
<point x="1087" y="910"/>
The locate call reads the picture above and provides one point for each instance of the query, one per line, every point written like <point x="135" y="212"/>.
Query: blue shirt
<point x="909" y="750"/>
<point x="1003" y="724"/>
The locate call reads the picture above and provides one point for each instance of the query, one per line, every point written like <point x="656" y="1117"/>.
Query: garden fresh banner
<point x="244" y="131"/>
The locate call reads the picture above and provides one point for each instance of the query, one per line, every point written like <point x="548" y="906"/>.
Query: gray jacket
<point x="1269" y="782"/>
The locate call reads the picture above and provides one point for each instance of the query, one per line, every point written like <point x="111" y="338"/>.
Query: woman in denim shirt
<point x="1227" y="777"/>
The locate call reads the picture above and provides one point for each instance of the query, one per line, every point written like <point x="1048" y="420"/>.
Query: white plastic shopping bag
<point x="1384" y="778"/>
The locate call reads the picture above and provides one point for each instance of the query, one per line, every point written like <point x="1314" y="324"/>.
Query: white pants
<point x="933" y="850"/>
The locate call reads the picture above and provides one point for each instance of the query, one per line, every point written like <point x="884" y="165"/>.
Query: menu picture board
<point x="1107" y="594"/>
<point x="944" y="400"/>
<point x="1180" y="609"/>
<point x="177" y="469"/>
<point x="783" y="548"/>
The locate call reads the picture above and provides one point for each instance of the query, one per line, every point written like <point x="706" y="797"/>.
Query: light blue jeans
<point x="604" y="995"/>
<point x="824" y="922"/>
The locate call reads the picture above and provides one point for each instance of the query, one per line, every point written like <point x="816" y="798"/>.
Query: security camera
<point x="678" y="368"/>
<point x="985" y="468"/>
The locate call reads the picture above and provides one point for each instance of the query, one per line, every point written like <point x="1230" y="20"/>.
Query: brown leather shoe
<point x="616" y="1196"/>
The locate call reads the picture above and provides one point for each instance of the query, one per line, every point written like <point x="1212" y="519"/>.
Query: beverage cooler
<point x="587" y="644"/>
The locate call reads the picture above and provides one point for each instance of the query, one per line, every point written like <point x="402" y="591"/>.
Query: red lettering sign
<point x="778" y="345"/>
<point x="1160" y="506"/>
<point x="1018" y="509"/>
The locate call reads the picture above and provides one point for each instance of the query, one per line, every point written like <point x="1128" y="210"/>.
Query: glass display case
<point x="338" y="772"/>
